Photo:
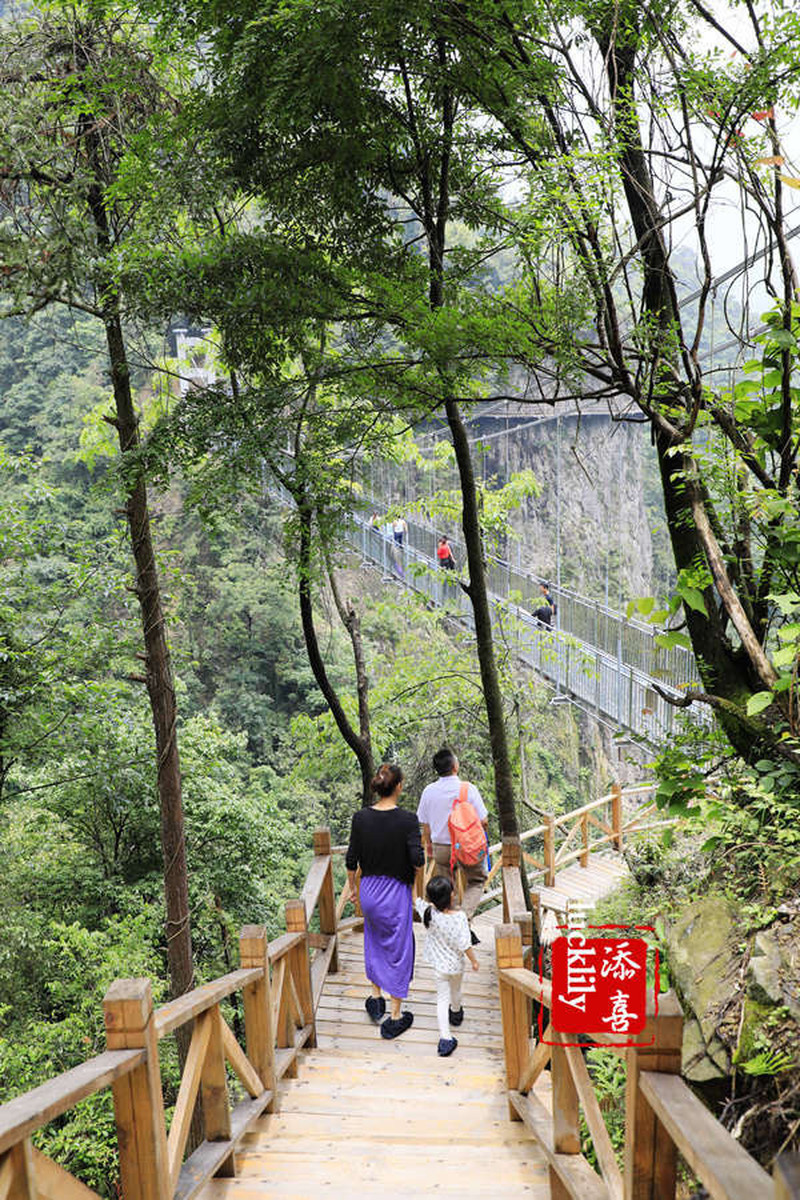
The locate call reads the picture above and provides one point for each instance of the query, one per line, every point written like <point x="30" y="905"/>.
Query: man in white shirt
<point x="433" y="813"/>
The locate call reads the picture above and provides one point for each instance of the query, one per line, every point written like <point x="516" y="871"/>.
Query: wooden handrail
<point x="177" y="1012"/>
<point x="663" y="1116"/>
<point x="719" y="1162"/>
<point x="315" y="881"/>
<point x="281" y="984"/>
<point x="27" y="1113"/>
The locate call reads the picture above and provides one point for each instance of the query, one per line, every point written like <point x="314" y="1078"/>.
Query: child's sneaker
<point x="456" y="1015"/>
<point x="376" y="1007"/>
<point x="446" y="1046"/>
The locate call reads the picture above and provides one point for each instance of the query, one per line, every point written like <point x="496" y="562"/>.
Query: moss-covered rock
<point x="702" y="960"/>
<point x="774" y="968"/>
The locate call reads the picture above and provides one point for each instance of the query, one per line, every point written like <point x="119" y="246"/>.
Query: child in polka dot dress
<point x="447" y="942"/>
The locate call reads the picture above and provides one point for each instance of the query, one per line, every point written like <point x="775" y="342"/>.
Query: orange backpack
<point x="467" y="837"/>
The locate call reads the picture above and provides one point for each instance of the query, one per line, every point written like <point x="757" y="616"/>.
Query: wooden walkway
<point x="579" y="887"/>
<point x="390" y="1119"/>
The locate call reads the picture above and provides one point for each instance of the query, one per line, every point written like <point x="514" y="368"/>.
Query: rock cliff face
<point x="591" y="525"/>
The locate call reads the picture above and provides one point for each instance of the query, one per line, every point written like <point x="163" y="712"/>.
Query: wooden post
<point x="327" y="895"/>
<point x="549" y="850"/>
<point x="787" y="1177"/>
<point x="513" y="1009"/>
<point x="138" y="1101"/>
<point x="259" y="1034"/>
<point x="511" y="855"/>
<point x="17" y="1172"/>
<point x="566" y="1128"/>
<point x="616" y="816"/>
<point x="650" y="1153"/>
<point x="299" y="966"/>
<point x="585" y="840"/>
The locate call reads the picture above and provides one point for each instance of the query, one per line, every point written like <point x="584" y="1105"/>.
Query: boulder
<point x="774" y="968"/>
<point x="703" y="958"/>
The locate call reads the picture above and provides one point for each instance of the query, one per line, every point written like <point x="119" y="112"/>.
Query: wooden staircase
<point x="390" y="1118"/>
<point x="315" y="1103"/>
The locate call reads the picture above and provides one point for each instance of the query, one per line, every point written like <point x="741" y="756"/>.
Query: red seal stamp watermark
<point x="599" y="985"/>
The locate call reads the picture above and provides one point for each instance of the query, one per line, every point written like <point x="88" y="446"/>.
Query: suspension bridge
<point x="594" y="656"/>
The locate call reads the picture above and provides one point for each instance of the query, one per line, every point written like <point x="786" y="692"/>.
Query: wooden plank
<point x="240" y="1063"/>
<point x="594" y="1119"/>
<point x="313" y="884"/>
<point x="300" y="970"/>
<point x="786" y="1179"/>
<point x="214" y="1082"/>
<point x="468" y="1125"/>
<point x="401" y="1048"/>
<point x="205" y="1161"/>
<point x="592" y="806"/>
<point x="603" y="826"/>
<point x="566" y="1130"/>
<point x="573" y="1170"/>
<point x="278" y="984"/>
<point x="17" y="1173"/>
<point x="650" y="1155"/>
<point x="717" y="1159"/>
<point x="54" y="1183"/>
<point x="319" y="970"/>
<point x="537" y="1062"/>
<point x="7" y="1173"/>
<point x="187" y="1094"/>
<point x="282" y="945"/>
<point x="327" y="896"/>
<point x="528" y="982"/>
<point x="171" y="1016"/>
<point x="574" y="831"/>
<point x="25" y="1114"/>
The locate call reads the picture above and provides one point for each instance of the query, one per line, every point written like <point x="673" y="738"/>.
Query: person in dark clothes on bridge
<point x="546" y="611"/>
<point x="385" y="843"/>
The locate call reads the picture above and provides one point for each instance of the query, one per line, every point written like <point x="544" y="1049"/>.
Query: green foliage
<point x="608" y="1074"/>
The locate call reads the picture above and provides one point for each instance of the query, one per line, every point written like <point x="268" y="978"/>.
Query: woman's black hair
<point x="387" y="779"/>
<point x="440" y="892"/>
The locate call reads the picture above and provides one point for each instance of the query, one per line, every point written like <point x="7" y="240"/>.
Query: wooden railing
<point x="663" y="1117"/>
<point x="280" y="983"/>
<point x="575" y="835"/>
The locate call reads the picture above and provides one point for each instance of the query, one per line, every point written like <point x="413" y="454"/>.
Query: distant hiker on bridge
<point x="444" y="554"/>
<point x="400" y="530"/>
<point x="545" y="613"/>
<point x="444" y="809"/>
<point x="448" y="940"/>
<point x="385" y="844"/>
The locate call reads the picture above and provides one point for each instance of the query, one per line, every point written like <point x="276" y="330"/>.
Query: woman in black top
<point x="385" y="844"/>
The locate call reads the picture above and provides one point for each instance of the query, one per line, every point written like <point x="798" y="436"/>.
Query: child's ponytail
<point x="426" y="917"/>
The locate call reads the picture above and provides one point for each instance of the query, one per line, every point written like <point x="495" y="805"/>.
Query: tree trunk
<point x="493" y="699"/>
<point x="160" y="686"/>
<point x="352" y="623"/>
<point x="359" y="746"/>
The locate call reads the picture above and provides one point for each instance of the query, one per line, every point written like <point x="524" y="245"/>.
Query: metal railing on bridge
<point x="593" y="656"/>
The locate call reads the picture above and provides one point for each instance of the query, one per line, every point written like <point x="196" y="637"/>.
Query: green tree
<point x="77" y="88"/>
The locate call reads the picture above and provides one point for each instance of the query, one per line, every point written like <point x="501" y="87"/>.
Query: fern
<point x="768" y="1062"/>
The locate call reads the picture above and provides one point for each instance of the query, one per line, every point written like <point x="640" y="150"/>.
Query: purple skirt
<point x="388" y="933"/>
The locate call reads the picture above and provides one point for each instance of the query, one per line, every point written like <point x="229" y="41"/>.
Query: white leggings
<point x="448" y="995"/>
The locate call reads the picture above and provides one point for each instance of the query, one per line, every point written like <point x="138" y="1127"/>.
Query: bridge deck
<point x="387" y="1119"/>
